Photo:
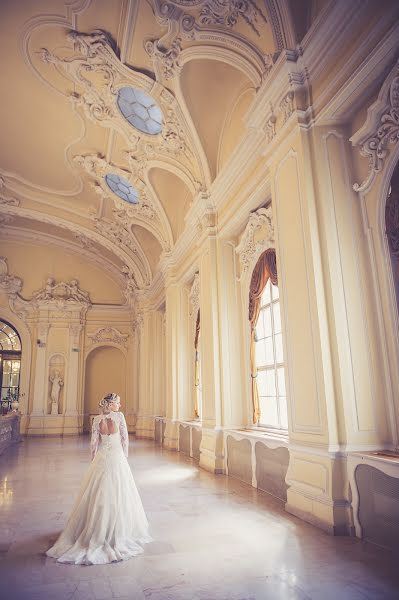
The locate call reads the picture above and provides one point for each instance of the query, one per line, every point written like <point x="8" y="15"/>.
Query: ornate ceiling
<point x="63" y="64"/>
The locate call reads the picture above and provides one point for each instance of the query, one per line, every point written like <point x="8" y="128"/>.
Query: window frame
<point x="280" y="429"/>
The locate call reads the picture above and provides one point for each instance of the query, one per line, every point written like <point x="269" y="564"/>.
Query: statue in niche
<point x="56" y="385"/>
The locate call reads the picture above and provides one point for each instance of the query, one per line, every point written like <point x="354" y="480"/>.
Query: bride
<point x="107" y="522"/>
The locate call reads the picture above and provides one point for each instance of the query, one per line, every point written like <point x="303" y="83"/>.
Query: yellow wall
<point x="24" y="258"/>
<point x="105" y="372"/>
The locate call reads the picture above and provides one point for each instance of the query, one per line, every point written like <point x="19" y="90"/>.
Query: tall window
<point x="266" y="350"/>
<point x="270" y="361"/>
<point x="10" y="364"/>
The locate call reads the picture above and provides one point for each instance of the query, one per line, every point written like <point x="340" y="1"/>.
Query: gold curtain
<point x="197" y="365"/>
<point x="264" y="268"/>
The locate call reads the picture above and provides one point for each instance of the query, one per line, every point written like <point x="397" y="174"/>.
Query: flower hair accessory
<point x="108" y="398"/>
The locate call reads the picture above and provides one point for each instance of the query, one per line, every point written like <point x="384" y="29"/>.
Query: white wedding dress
<point x="107" y="522"/>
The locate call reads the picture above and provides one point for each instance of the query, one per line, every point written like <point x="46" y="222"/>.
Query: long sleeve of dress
<point x="95" y="437"/>
<point x="124" y="434"/>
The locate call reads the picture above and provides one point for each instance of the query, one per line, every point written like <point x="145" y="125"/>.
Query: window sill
<point x="262" y="434"/>
<point x="193" y="423"/>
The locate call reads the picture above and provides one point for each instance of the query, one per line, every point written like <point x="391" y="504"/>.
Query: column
<point x="316" y="475"/>
<point x="145" y="420"/>
<point x="37" y="415"/>
<point x="71" y="421"/>
<point x="211" y="449"/>
<point x="171" y="360"/>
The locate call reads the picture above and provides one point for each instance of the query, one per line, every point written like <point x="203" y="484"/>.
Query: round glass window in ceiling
<point x="140" y="110"/>
<point x="122" y="188"/>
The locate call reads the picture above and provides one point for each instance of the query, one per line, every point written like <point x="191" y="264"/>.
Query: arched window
<point x="267" y="360"/>
<point x="10" y="364"/>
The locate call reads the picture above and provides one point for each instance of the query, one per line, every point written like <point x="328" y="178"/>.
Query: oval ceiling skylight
<point x="140" y="110"/>
<point x="122" y="188"/>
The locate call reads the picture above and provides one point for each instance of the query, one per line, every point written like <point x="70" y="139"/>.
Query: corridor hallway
<point x="214" y="537"/>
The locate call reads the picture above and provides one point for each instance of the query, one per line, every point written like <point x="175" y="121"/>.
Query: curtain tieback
<point x="254" y="376"/>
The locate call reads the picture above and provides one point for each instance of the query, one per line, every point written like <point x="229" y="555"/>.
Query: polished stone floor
<point x="215" y="538"/>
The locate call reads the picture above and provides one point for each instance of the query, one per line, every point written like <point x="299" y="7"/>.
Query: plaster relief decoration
<point x="287" y="106"/>
<point x="101" y="78"/>
<point x="109" y="334"/>
<point x="59" y="295"/>
<point x="146" y="211"/>
<point x="257" y="237"/>
<point x="194" y="296"/>
<point x="83" y="240"/>
<point x="165" y="60"/>
<point x="9" y="284"/>
<point x="4" y="199"/>
<point x="192" y="15"/>
<point x="381" y="129"/>
<point x="131" y="283"/>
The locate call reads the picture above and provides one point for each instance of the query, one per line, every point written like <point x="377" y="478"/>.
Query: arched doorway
<point x="105" y="371"/>
<point x="10" y="364"/>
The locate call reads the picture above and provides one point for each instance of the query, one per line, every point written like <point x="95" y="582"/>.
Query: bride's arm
<point x="124" y="434"/>
<point x="95" y="436"/>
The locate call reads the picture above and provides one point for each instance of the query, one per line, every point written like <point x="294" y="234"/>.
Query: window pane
<point x="269" y="358"/>
<point x="266" y="294"/>
<point x="281" y="381"/>
<point x="260" y="327"/>
<point x="268" y="411"/>
<point x="267" y="319"/>
<point x="270" y="383"/>
<point x="260" y="356"/>
<point x="275" y="292"/>
<point x="283" y="412"/>
<point x="276" y="317"/>
<point x="278" y="341"/>
<point x="261" y="382"/>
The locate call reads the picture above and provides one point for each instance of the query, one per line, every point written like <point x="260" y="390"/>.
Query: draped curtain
<point x="264" y="269"/>
<point x="197" y="365"/>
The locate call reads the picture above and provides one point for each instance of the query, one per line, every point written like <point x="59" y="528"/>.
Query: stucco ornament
<point x="9" y="284"/>
<point x="252" y="246"/>
<point x="109" y="334"/>
<point x="380" y="130"/>
<point x="130" y="282"/>
<point x="4" y="199"/>
<point x="196" y="14"/>
<point x="165" y="60"/>
<point x="148" y="212"/>
<point x="195" y="296"/>
<point x="97" y="70"/>
<point x="61" y="293"/>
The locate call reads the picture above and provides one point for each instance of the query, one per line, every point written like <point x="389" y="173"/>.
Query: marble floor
<point x="215" y="538"/>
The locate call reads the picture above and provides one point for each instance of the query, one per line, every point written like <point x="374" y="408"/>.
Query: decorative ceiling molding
<point x="380" y="130"/>
<point x="191" y="16"/>
<point x="148" y="212"/>
<point x="251" y="246"/>
<point x="96" y="98"/>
